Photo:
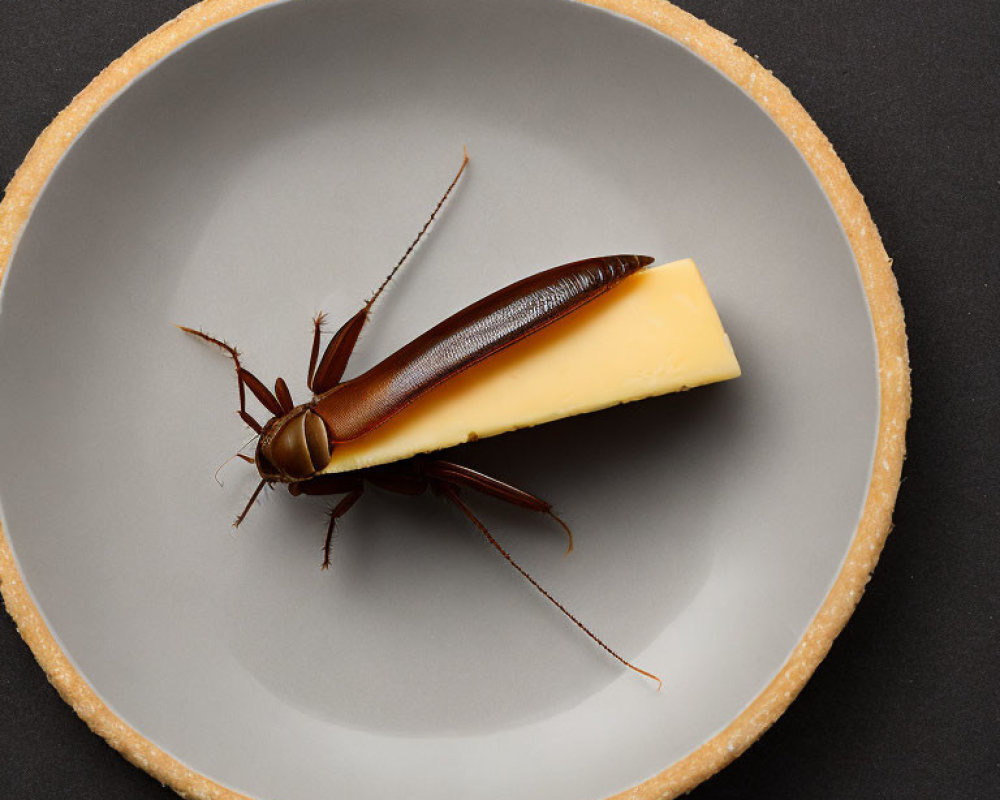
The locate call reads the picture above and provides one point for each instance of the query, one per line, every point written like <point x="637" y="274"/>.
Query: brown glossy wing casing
<point x="482" y="329"/>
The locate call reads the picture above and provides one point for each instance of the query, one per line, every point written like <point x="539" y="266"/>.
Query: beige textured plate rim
<point x="883" y="299"/>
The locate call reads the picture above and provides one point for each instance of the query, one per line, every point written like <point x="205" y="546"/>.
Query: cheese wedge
<point x="656" y="332"/>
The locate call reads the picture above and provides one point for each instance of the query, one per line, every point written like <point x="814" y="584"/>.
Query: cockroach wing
<point x="482" y="329"/>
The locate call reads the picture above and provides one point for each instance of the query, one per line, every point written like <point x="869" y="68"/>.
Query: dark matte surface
<point x="908" y="702"/>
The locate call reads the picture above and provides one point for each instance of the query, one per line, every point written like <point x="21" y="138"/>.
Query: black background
<point x="907" y="704"/>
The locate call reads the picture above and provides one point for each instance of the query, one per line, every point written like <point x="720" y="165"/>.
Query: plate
<point x="251" y="164"/>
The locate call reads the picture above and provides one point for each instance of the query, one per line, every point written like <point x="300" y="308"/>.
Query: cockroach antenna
<point x="234" y="455"/>
<point x="423" y="230"/>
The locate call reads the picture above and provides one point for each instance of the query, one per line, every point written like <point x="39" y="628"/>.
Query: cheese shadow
<point x="454" y="640"/>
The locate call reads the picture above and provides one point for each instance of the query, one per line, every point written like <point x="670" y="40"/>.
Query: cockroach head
<point x="293" y="447"/>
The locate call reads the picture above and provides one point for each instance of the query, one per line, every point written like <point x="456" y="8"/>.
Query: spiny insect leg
<point x="337" y="354"/>
<point x="318" y="321"/>
<point x="336" y="513"/>
<point x="458" y="475"/>
<point x="451" y="493"/>
<point x="249" y="505"/>
<point x="244" y="378"/>
<point x="260" y="391"/>
<point x="283" y="396"/>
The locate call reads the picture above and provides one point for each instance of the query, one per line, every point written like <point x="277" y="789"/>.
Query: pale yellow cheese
<point x="656" y="332"/>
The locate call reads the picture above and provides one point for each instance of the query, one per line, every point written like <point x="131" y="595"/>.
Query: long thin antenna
<point x="423" y="230"/>
<point x="453" y="496"/>
<point x="231" y="458"/>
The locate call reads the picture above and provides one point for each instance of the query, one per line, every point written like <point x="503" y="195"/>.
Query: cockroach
<point x="296" y="443"/>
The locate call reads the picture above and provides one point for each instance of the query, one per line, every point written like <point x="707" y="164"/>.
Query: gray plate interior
<point x="279" y="166"/>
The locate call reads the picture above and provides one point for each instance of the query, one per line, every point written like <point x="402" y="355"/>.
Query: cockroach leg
<point x="457" y="475"/>
<point x="336" y="513"/>
<point x="260" y="391"/>
<point x="283" y="396"/>
<point x="255" y="426"/>
<point x="451" y="493"/>
<point x="244" y="378"/>
<point x="337" y="354"/>
<point x="250" y="502"/>
<point x="338" y="351"/>
<point x="234" y="354"/>
<point x="318" y="321"/>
